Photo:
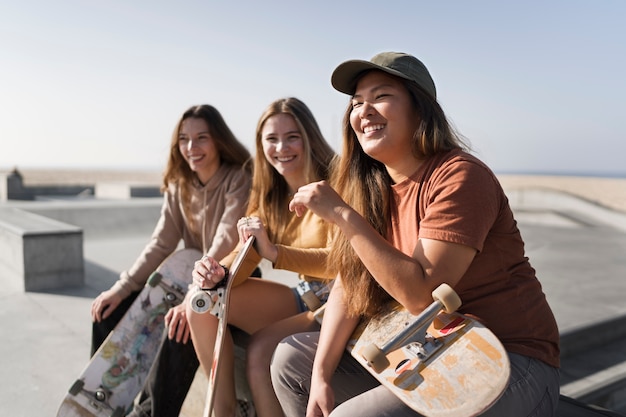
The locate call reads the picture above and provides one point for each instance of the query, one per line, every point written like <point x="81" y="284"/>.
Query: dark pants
<point x="169" y="380"/>
<point x="170" y="376"/>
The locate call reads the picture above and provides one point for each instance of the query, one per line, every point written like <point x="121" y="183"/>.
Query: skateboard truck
<point x="174" y="294"/>
<point x="413" y="337"/>
<point x="424" y="350"/>
<point x="98" y="398"/>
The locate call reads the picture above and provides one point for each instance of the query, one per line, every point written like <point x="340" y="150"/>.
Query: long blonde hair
<point x="270" y="192"/>
<point x="365" y="184"/>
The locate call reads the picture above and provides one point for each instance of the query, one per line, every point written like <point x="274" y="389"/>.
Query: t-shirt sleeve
<point x="462" y="201"/>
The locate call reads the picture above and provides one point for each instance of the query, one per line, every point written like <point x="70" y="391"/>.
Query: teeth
<point x="285" y="159"/>
<point x="372" y="128"/>
<point x="194" y="157"/>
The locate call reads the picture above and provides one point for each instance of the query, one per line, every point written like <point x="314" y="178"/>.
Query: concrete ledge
<point x="38" y="253"/>
<point x="566" y="204"/>
<point x="125" y="191"/>
<point x="101" y="218"/>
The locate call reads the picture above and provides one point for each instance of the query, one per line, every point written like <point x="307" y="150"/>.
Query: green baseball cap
<point x="395" y="63"/>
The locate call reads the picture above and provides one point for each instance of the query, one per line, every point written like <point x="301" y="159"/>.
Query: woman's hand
<point x="321" y="399"/>
<point x="207" y="272"/>
<point x="104" y="304"/>
<point x="252" y="226"/>
<point x="321" y="199"/>
<point x="176" y="323"/>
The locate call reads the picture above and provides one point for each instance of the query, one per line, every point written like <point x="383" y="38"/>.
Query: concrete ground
<point x="577" y="249"/>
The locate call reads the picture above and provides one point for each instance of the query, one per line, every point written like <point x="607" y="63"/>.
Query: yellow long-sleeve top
<point x="302" y="249"/>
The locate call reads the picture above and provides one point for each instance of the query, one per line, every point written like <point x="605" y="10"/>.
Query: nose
<point x="190" y="143"/>
<point x="366" y="109"/>
<point x="280" y="145"/>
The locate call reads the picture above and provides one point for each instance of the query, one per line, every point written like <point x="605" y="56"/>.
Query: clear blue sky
<point x="536" y="86"/>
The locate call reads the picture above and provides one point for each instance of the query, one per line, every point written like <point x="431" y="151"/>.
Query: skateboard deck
<point x="116" y="373"/>
<point x="440" y="363"/>
<point x="217" y="302"/>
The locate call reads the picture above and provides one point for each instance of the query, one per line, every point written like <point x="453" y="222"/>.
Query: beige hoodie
<point x="211" y="227"/>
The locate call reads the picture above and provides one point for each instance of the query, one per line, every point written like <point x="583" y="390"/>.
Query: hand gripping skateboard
<point x="116" y="373"/>
<point x="439" y="363"/>
<point x="217" y="302"/>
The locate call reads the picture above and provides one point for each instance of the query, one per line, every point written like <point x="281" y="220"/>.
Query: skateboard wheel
<point x="170" y="297"/>
<point x="447" y="297"/>
<point x="201" y="302"/>
<point x="375" y="357"/>
<point x="77" y="387"/>
<point x="154" y="279"/>
<point x="310" y="299"/>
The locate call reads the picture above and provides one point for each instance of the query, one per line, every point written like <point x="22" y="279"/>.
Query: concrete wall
<point x="12" y="188"/>
<point x="38" y="253"/>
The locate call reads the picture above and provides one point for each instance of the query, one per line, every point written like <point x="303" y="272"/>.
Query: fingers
<point x="207" y="272"/>
<point x="202" y="271"/>
<point x="250" y="226"/>
<point x="176" y="322"/>
<point x="102" y="307"/>
<point x="298" y="208"/>
<point x="95" y="317"/>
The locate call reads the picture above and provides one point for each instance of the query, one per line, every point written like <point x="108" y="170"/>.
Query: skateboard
<point x="216" y="301"/>
<point x="116" y="373"/>
<point x="439" y="363"/>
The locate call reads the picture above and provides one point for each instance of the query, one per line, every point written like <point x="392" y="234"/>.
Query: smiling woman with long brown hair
<point x="412" y="209"/>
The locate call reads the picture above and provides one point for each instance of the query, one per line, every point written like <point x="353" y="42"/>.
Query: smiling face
<point x="198" y="148"/>
<point x="283" y="147"/>
<point x="384" y="121"/>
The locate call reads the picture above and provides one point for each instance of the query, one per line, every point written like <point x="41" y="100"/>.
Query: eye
<point x="270" y="139"/>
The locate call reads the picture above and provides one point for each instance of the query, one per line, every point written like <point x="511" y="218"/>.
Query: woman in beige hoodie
<point x="206" y="186"/>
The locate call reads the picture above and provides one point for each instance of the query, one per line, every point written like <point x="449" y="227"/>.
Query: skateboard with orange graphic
<point x="116" y="373"/>
<point x="440" y="363"/>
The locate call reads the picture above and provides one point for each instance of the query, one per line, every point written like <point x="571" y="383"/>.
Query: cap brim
<point x="345" y="76"/>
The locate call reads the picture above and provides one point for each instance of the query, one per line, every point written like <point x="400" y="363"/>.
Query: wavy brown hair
<point x="270" y="192"/>
<point x="231" y="151"/>
<point x="365" y="184"/>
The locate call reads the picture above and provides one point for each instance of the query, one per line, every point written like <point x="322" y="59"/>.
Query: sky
<point x="534" y="86"/>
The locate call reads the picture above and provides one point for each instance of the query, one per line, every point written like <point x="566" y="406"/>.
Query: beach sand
<point x="606" y="192"/>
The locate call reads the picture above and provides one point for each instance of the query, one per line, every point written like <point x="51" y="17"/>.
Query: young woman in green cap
<point x="413" y="209"/>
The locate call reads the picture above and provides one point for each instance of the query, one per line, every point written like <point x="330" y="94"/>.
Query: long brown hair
<point x="365" y="184"/>
<point x="270" y="192"/>
<point x="231" y="151"/>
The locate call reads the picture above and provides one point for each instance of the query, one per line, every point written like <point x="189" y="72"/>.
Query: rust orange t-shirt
<point x="454" y="197"/>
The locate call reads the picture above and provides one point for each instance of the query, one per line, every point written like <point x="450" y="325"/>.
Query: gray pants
<point x="533" y="389"/>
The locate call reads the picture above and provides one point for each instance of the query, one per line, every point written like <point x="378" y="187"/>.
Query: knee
<point x="281" y="357"/>
<point x="258" y="357"/>
<point x="293" y="358"/>
<point x="198" y="322"/>
<point x="192" y="316"/>
<point x="277" y="369"/>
